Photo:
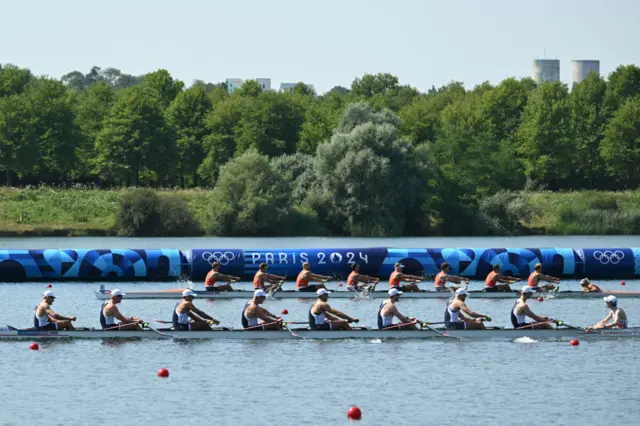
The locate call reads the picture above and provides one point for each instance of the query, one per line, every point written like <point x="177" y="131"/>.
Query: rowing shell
<point x="290" y="294"/>
<point x="239" y="334"/>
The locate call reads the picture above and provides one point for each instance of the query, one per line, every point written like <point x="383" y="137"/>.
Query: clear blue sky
<point x="325" y="43"/>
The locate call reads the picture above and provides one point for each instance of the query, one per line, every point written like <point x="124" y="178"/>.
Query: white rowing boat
<point x="560" y="333"/>
<point x="291" y="294"/>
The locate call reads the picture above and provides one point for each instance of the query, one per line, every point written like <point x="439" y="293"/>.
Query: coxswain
<point x="443" y="276"/>
<point x="388" y="310"/>
<point x="109" y="313"/>
<point x="214" y="275"/>
<point x="46" y="319"/>
<point x="537" y="275"/>
<point x="253" y="312"/>
<point x="355" y="278"/>
<point x="324" y="317"/>
<point x="589" y="287"/>
<point x="397" y="277"/>
<point x="494" y="277"/>
<point x="261" y="276"/>
<point x="185" y="309"/>
<point x="455" y="320"/>
<point x="616" y="316"/>
<point x="306" y="276"/>
<point x="521" y="311"/>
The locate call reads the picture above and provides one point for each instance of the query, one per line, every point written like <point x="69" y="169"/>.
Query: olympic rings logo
<point x="608" y="256"/>
<point x="218" y="256"/>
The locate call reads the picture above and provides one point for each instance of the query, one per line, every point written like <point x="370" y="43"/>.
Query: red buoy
<point x="339" y="284"/>
<point x="49" y="285"/>
<point x="163" y="372"/>
<point x="354" y="413"/>
<point x="540" y="299"/>
<point x="623" y="283"/>
<point x="34" y="346"/>
<point x="284" y="312"/>
<point x="574" y="342"/>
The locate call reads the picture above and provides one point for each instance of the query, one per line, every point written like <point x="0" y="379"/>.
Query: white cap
<point x="259" y="293"/>
<point x="117" y="292"/>
<point x="527" y="289"/>
<point x="610" y="299"/>
<point x="48" y="293"/>
<point x="461" y="291"/>
<point x="394" y="292"/>
<point x="322" y="291"/>
<point x="188" y="293"/>
<point x="584" y="281"/>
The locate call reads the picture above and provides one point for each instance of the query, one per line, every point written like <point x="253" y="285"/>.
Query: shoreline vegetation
<point x="46" y="211"/>
<point x="377" y="159"/>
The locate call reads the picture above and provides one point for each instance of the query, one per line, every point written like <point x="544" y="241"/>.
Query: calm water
<point x="309" y="382"/>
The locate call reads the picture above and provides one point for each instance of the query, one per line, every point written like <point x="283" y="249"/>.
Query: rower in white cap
<point x="589" y="287"/>
<point x="397" y="276"/>
<point x="616" y="316"/>
<point x="324" y="317"/>
<point x="455" y="320"/>
<point x="388" y="310"/>
<point x="46" y="319"/>
<point x="109" y="313"/>
<point x="253" y="312"/>
<point x="521" y="311"/>
<point x="185" y="309"/>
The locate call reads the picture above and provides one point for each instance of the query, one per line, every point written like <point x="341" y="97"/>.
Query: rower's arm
<point x="121" y="317"/>
<point x="466" y="310"/>
<point x="318" y="278"/>
<point x="57" y="316"/>
<point x="533" y="316"/>
<point x="502" y="279"/>
<point x="200" y="313"/>
<point x="549" y="278"/>
<point x="227" y="278"/>
<point x="399" y="315"/>
<point x="265" y="315"/>
<point x="340" y="314"/>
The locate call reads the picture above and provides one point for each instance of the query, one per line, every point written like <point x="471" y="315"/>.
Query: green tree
<point x="371" y="85"/>
<point x="18" y="138"/>
<point x="545" y="140"/>
<point x="250" y="198"/>
<point x="624" y="83"/>
<point x="163" y="85"/>
<point x="187" y="114"/>
<point x="13" y="80"/>
<point x="621" y="144"/>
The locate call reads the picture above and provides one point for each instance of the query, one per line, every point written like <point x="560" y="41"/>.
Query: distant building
<point x="545" y="70"/>
<point x="233" y="84"/>
<point x="581" y="69"/>
<point x="288" y="87"/>
<point x="265" y="83"/>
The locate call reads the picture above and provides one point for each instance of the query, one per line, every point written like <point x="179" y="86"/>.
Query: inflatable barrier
<point x="173" y="264"/>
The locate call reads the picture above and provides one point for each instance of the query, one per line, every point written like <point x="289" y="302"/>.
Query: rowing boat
<point x="560" y="333"/>
<point x="292" y="294"/>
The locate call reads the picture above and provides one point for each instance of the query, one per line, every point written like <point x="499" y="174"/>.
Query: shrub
<point x="144" y="213"/>
<point x="503" y="213"/>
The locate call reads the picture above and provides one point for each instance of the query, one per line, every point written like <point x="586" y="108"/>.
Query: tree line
<point x="378" y="158"/>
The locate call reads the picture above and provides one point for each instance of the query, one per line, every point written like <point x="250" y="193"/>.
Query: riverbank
<point x="92" y="212"/>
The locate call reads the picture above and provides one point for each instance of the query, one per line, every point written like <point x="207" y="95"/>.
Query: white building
<point x="581" y="69"/>
<point x="545" y="70"/>
<point x="265" y="83"/>
<point x="233" y="84"/>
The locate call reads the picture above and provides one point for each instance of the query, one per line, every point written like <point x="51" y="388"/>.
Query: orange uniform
<point x="491" y="280"/>
<point x="351" y="280"/>
<point x="394" y="280"/>
<point x="532" y="281"/>
<point x="258" y="280"/>
<point x="301" y="281"/>
<point x="440" y="280"/>
<point x="210" y="281"/>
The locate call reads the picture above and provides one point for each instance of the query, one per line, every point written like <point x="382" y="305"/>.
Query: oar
<point x="260" y="325"/>
<point x="535" y="323"/>
<point x="400" y="325"/>
<point x="277" y="287"/>
<point x="284" y="325"/>
<point x="426" y="325"/>
<point x="562" y="323"/>
<point x="162" y="334"/>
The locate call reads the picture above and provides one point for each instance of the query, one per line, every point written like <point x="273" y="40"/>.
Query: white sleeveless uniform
<point x="319" y="318"/>
<point x="251" y="322"/>
<point x="387" y="321"/>
<point x="109" y="319"/>
<point x="43" y="321"/>
<point x="183" y="318"/>
<point x="453" y="315"/>
<point x="520" y="318"/>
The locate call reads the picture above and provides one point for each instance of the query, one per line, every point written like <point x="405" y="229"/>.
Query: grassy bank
<point x="84" y="212"/>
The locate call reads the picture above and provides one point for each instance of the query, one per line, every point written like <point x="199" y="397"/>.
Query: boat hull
<point x="489" y="334"/>
<point x="289" y="294"/>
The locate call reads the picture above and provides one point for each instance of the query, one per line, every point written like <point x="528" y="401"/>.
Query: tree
<point x="621" y="144"/>
<point x="18" y="139"/>
<point x="250" y="198"/>
<point x="187" y="114"/>
<point x="13" y="80"/>
<point x="297" y="169"/>
<point x="163" y="85"/>
<point x="370" y="85"/>
<point x="135" y="142"/>
<point x="544" y="136"/>
<point x="623" y="84"/>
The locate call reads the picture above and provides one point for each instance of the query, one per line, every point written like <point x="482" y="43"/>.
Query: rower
<point x="589" y="287"/>
<point x="455" y="320"/>
<point x="185" y="309"/>
<point x="260" y="277"/>
<point x="109" y="312"/>
<point x="324" y="317"/>
<point x="388" y="310"/>
<point x="252" y="312"/>
<point x="397" y="277"/>
<point x="521" y="311"/>
<point x="443" y="276"/>
<point x="355" y="278"/>
<point x="494" y="277"/>
<point x="214" y="275"/>
<point x="306" y="276"/>
<point x="617" y="316"/>
<point x="537" y="275"/>
<point x="46" y="319"/>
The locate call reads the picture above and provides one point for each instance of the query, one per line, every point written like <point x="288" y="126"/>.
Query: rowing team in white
<point x="322" y="316"/>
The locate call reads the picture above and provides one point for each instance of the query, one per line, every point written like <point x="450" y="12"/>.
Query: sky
<point x="325" y="43"/>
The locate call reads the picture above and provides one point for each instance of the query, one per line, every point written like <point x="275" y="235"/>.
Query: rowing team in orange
<point x="356" y="281"/>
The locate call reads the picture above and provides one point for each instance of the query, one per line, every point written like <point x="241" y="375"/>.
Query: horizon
<point x="475" y="42"/>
